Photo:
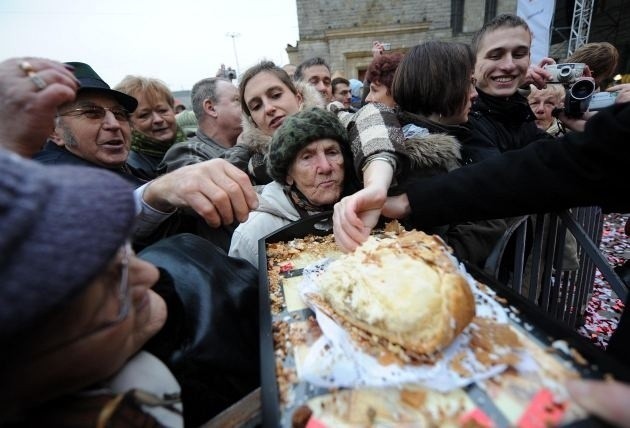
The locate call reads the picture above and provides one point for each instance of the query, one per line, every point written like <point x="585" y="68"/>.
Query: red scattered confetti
<point x="286" y="267"/>
<point x="314" y="423"/>
<point x="476" y="418"/>
<point x="542" y="411"/>
<point x="604" y="308"/>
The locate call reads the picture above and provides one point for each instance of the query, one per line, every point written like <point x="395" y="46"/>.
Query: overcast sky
<point x="178" y="41"/>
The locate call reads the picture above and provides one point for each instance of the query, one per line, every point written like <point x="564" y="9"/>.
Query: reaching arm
<point x="610" y="400"/>
<point x="218" y="191"/>
<point x="581" y="169"/>
<point x="356" y="215"/>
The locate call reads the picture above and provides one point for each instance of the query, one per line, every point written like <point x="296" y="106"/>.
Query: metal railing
<point x="551" y="260"/>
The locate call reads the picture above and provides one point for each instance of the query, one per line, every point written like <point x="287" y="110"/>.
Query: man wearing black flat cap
<point x="94" y="129"/>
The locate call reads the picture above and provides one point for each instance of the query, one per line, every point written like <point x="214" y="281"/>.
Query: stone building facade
<point x="342" y="31"/>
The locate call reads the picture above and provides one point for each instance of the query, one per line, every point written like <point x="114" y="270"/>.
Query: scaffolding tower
<point x="581" y="25"/>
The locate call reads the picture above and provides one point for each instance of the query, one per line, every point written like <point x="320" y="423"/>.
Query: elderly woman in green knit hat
<point x="310" y="162"/>
<point x="155" y="128"/>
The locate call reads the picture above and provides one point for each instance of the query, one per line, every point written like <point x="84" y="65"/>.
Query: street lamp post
<point x="234" y="36"/>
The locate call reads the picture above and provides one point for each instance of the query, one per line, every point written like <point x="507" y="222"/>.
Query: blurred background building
<point x="342" y="32"/>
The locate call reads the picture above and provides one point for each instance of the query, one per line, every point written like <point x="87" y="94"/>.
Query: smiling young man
<point x="501" y="118"/>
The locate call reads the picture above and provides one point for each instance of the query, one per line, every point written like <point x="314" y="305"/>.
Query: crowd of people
<point x="444" y="139"/>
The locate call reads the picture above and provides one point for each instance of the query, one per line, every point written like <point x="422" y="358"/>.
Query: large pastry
<point x="405" y="289"/>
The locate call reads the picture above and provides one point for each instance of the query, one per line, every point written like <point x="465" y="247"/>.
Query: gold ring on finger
<point x="27" y="68"/>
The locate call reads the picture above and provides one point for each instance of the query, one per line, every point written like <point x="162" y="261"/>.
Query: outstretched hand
<point x="31" y="90"/>
<point x="397" y="207"/>
<point x="537" y="75"/>
<point x="217" y="190"/>
<point x="623" y="92"/>
<point x="356" y="215"/>
<point x="610" y="400"/>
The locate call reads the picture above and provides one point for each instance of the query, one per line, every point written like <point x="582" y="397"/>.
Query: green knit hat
<point x="297" y="132"/>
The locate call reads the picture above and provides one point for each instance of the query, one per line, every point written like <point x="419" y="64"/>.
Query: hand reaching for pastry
<point x="355" y="216"/>
<point x="609" y="400"/>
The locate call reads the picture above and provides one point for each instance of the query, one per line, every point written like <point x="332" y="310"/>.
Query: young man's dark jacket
<point x="499" y="124"/>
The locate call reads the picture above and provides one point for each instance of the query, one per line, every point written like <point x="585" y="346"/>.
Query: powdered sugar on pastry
<point x="406" y="289"/>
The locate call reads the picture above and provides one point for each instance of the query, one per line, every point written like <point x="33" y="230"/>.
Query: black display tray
<point x="545" y="329"/>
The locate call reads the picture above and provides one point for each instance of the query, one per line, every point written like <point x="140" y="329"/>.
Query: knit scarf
<point x="302" y="204"/>
<point x="141" y="143"/>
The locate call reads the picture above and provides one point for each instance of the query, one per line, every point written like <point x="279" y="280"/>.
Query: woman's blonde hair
<point x="557" y="91"/>
<point x="153" y="90"/>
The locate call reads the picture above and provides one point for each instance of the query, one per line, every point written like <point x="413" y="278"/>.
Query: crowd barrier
<point x="551" y="260"/>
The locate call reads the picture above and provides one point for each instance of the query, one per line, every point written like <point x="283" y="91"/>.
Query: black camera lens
<point x="578" y="97"/>
<point x="582" y="89"/>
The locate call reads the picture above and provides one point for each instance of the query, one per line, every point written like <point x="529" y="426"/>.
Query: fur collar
<point x="433" y="150"/>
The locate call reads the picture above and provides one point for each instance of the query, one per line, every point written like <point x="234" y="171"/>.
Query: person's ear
<point x="289" y="180"/>
<point x="209" y="108"/>
<point x="57" y="138"/>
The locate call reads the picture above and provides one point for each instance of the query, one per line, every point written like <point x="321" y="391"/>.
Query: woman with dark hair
<point x="434" y="81"/>
<point x="380" y="74"/>
<point x="268" y="96"/>
<point x="436" y="101"/>
<point x="433" y="88"/>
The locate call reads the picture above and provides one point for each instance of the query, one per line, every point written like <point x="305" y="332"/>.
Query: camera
<point x="582" y="97"/>
<point x="602" y="100"/>
<point x="387" y="46"/>
<point x="565" y="73"/>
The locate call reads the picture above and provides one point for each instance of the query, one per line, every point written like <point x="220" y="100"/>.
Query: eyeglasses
<point x="123" y="302"/>
<point x="123" y="294"/>
<point x="98" y="113"/>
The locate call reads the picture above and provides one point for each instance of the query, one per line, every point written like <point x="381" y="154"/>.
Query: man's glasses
<point x="123" y="294"/>
<point x="98" y="113"/>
